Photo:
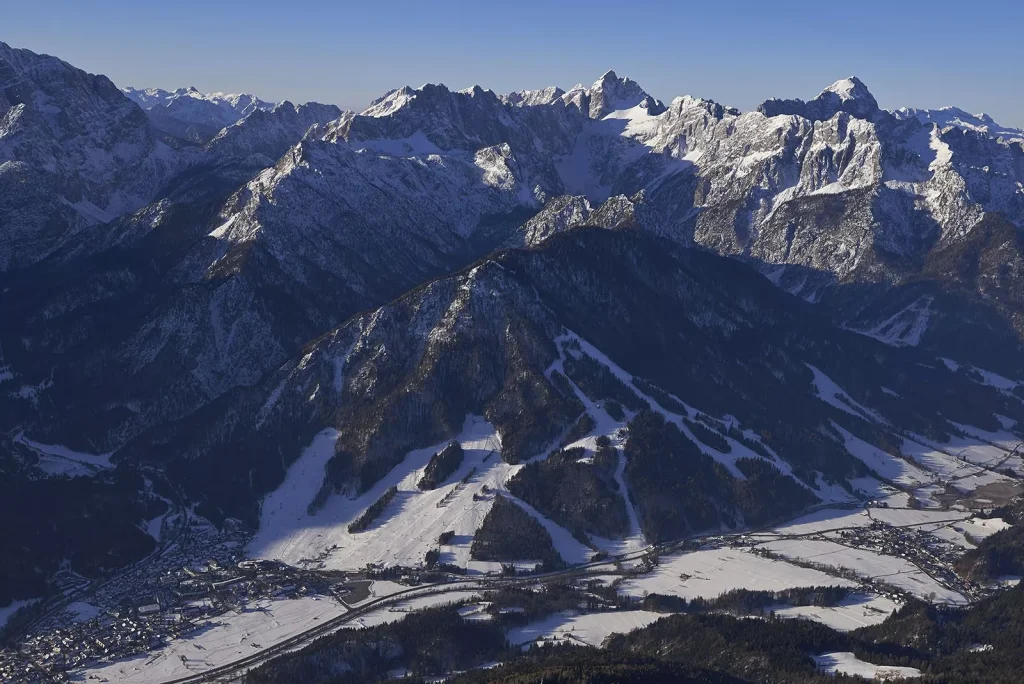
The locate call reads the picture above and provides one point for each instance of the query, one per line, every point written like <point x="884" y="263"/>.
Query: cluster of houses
<point x="169" y="606"/>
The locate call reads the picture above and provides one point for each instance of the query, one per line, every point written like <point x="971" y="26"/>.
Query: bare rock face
<point x="83" y="151"/>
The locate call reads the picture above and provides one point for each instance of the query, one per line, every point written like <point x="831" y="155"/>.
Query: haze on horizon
<point x="739" y="54"/>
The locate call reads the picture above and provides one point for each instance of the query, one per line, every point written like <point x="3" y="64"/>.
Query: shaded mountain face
<point x="74" y="152"/>
<point x="714" y="338"/>
<point x="848" y="95"/>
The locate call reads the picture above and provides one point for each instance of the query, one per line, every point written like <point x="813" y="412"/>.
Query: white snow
<point x="221" y="231"/>
<point x="890" y="467"/>
<point x="589" y="629"/>
<point x="962" y="532"/>
<point x="898" y="572"/>
<point x="831" y="393"/>
<point x="568" y="547"/>
<point x="945" y="466"/>
<point x="606" y="426"/>
<point x="905" y="327"/>
<point x="994" y="379"/>
<point x="7" y="611"/>
<point x="849" y="664"/>
<point x="154" y="527"/>
<point x="224" y="639"/>
<point x="856" y="611"/>
<point x="400" y="610"/>
<point x="79" y="611"/>
<point x="728" y="460"/>
<point x="709" y="573"/>
<point x="476" y="612"/>
<point x="411" y="523"/>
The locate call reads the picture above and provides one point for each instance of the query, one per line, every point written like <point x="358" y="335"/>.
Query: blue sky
<point x="924" y="54"/>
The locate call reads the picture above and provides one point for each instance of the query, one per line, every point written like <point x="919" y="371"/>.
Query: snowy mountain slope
<point x="326" y="232"/>
<point x="77" y="153"/>
<point x="269" y="131"/>
<point x="482" y="342"/>
<point x="74" y="152"/>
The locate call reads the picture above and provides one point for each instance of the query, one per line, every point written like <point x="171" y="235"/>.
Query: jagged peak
<point x="390" y="102"/>
<point x="539" y="96"/>
<point x="612" y="92"/>
<point x="848" y="89"/>
<point x="607" y="77"/>
<point x="848" y="95"/>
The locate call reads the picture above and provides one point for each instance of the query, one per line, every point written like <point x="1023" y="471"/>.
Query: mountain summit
<point x="610" y="93"/>
<point x="845" y="95"/>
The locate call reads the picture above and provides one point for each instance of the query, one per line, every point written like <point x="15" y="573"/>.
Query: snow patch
<point x="849" y="664"/>
<point x="590" y="629"/>
<point x="831" y="393"/>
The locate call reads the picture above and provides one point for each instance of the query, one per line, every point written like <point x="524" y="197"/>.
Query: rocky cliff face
<point x="74" y="152"/>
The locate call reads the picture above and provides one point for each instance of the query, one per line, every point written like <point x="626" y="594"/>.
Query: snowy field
<point x="849" y="664"/>
<point x="223" y="640"/>
<point x="712" y="572"/>
<point x="856" y="611"/>
<point x="79" y="611"/>
<point x="55" y="459"/>
<point x="897" y="470"/>
<point x="590" y="629"/>
<point x="889" y="569"/>
<point x="7" y="611"/>
<point x="409" y="526"/>
<point x="400" y="610"/>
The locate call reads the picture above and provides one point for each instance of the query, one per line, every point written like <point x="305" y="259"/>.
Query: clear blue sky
<point x="908" y="52"/>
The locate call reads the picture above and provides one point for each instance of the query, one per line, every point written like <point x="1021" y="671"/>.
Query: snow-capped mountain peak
<point x="848" y="95"/>
<point x="148" y="98"/>
<point x="528" y="98"/>
<point x="849" y="89"/>
<point x="390" y="102"/>
<point x="611" y="93"/>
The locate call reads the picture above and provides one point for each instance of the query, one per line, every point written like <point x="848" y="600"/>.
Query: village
<point x="167" y="596"/>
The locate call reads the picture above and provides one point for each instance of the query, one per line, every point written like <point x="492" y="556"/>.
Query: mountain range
<point x="194" y="287"/>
